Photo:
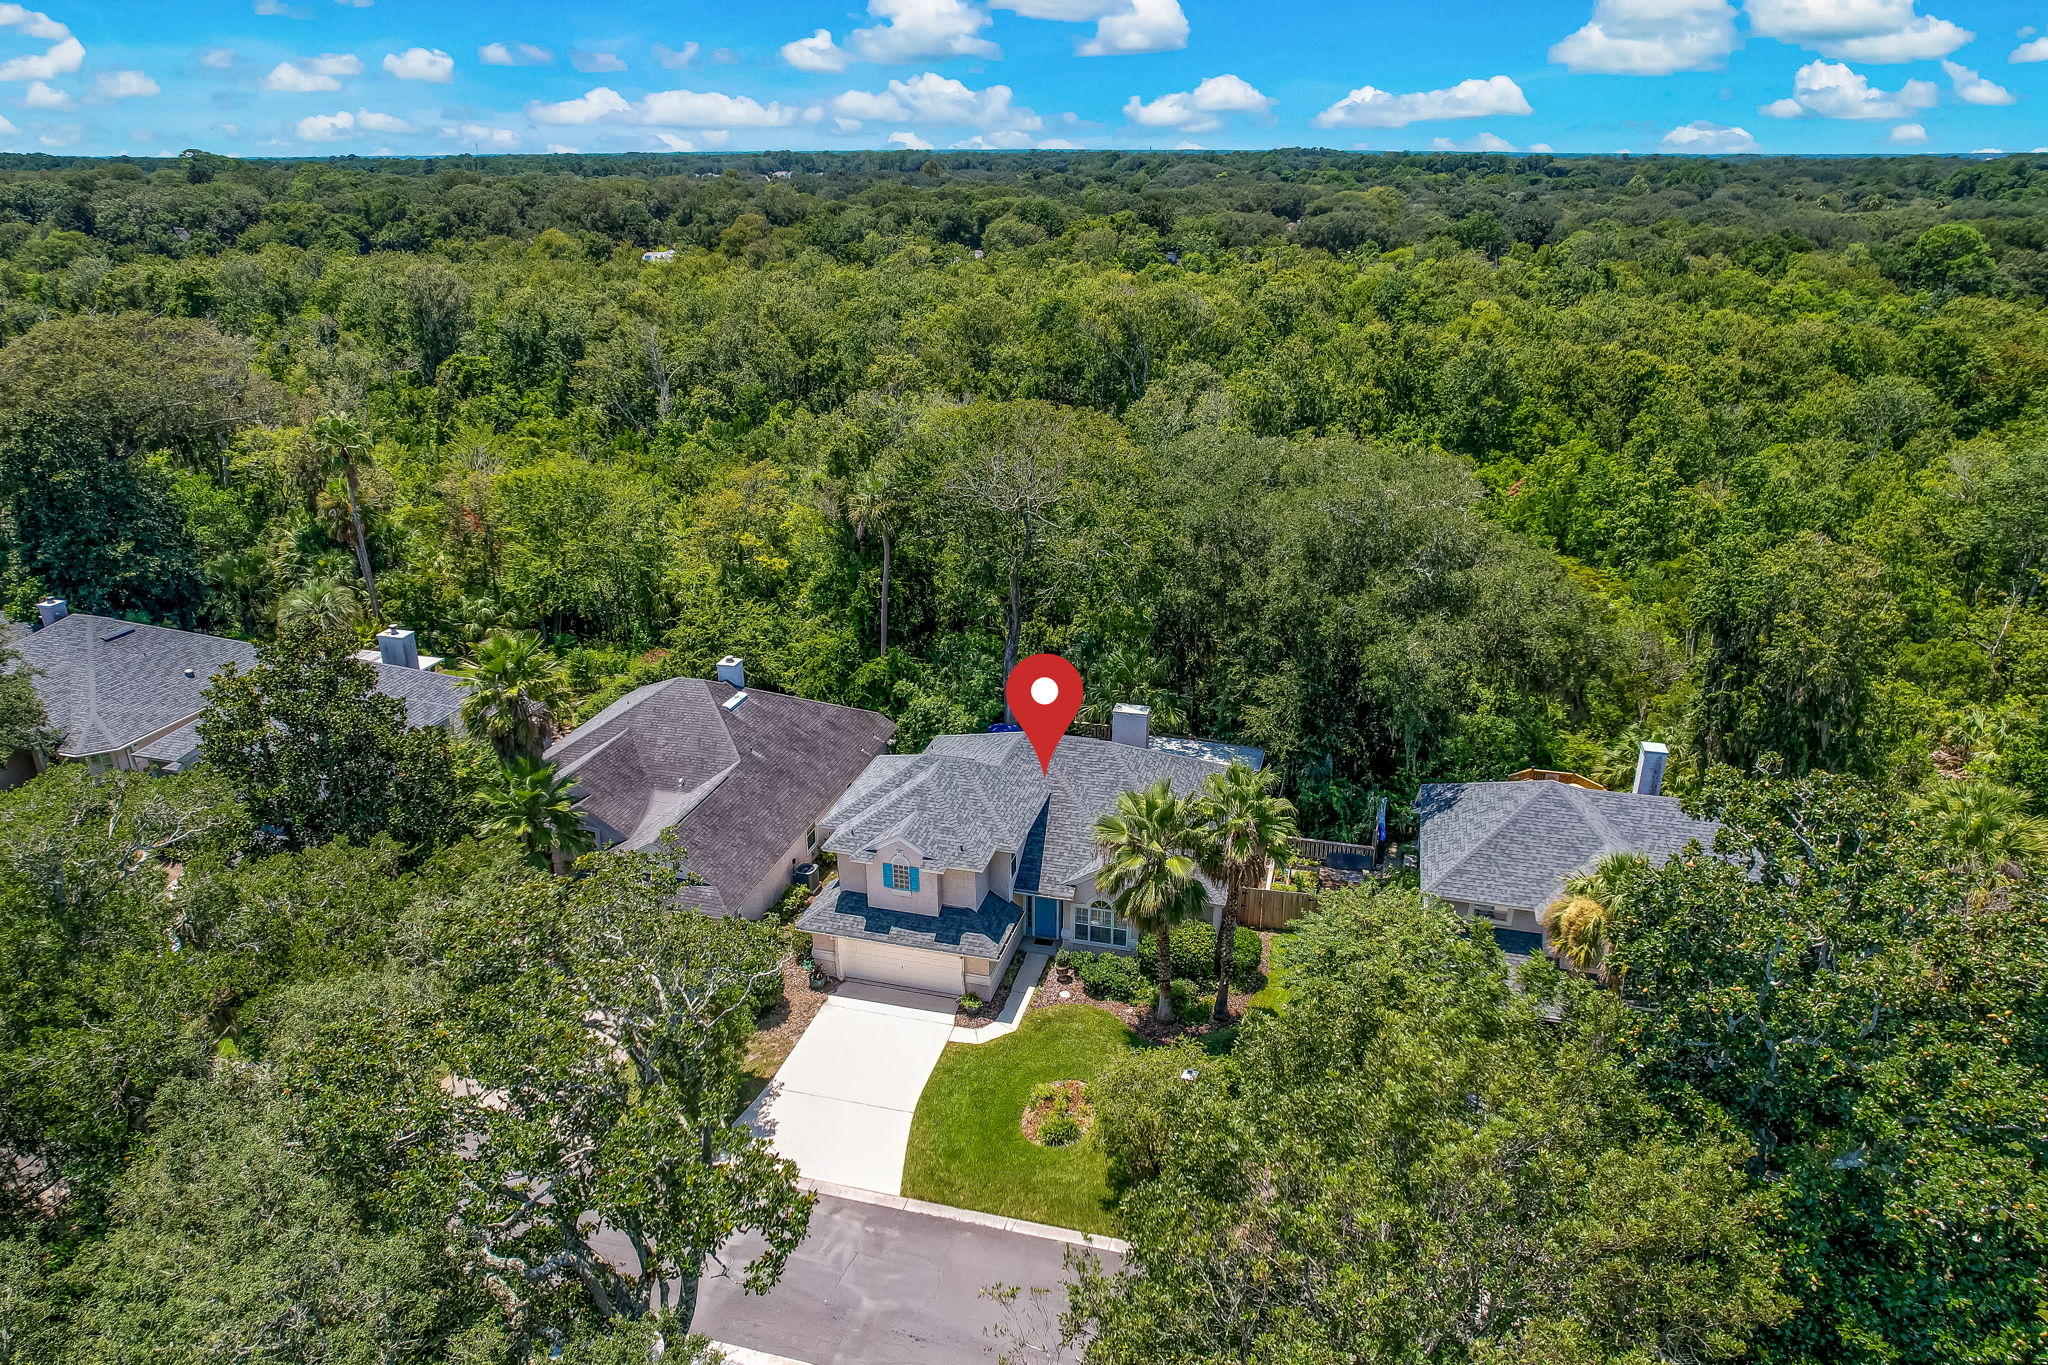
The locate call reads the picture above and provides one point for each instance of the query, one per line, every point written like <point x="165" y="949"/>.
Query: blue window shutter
<point x="889" y="875"/>
<point x="913" y="879"/>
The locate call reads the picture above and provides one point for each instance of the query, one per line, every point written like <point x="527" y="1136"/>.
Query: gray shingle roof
<point x="1514" y="843"/>
<point x="968" y="933"/>
<point x="108" y="684"/>
<point x="739" y="786"/>
<point x="968" y="796"/>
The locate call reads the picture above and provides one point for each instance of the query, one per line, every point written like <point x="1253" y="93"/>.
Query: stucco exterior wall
<point x="923" y="901"/>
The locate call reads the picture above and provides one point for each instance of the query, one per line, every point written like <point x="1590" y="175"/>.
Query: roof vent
<point x="191" y="673"/>
<point x="732" y="703"/>
<point x="115" y="635"/>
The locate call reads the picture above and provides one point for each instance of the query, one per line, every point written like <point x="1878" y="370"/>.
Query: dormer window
<point x="899" y="877"/>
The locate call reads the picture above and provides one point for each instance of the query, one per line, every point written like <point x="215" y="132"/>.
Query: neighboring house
<point x="952" y="858"/>
<point x="741" y="775"/>
<point x="125" y="695"/>
<point x="1500" y="851"/>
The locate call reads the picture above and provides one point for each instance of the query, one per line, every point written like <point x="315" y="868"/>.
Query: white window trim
<point x="1117" y="933"/>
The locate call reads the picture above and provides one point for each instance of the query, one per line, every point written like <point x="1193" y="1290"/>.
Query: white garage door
<point x="912" y="967"/>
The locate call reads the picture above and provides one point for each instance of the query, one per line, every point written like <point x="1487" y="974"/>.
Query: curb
<point x="747" y="1355"/>
<point x="1091" y="1240"/>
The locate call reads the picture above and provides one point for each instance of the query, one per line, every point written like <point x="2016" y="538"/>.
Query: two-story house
<point x="951" y="859"/>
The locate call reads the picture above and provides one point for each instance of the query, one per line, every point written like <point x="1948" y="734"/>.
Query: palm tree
<point x="873" y="503"/>
<point x="339" y="442"/>
<point x="1986" y="826"/>
<point x="532" y="802"/>
<point x="321" y="603"/>
<point x="1582" y="916"/>
<point x="1147" y="873"/>
<point x="517" y="694"/>
<point x="1133" y="675"/>
<point x="241" y="576"/>
<point x="1242" y="831"/>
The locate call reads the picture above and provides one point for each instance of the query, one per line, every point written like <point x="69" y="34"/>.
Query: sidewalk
<point x="1032" y="969"/>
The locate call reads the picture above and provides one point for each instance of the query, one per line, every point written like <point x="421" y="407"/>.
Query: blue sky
<point x="296" y="77"/>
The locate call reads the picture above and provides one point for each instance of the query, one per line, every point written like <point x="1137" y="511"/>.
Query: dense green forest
<point x="1402" y="467"/>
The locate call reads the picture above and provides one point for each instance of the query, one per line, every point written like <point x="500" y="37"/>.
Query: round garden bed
<point x="1058" y="1114"/>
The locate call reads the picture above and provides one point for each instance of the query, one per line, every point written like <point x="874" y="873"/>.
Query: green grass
<point x="966" y="1149"/>
<point x="1272" y="997"/>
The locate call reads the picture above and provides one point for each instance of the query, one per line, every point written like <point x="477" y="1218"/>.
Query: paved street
<point x="880" y="1286"/>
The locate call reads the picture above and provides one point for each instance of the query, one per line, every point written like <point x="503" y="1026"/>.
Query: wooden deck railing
<point x="1319" y="850"/>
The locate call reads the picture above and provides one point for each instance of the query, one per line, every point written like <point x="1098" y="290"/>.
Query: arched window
<point x="1098" y="922"/>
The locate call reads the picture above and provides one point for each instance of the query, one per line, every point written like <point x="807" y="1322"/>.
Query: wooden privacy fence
<point x="1274" y="909"/>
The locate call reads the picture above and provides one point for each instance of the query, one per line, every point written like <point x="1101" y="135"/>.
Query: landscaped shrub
<point x="970" y="1003"/>
<point x="1110" y="976"/>
<point x="1194" y="953"/>
<point x="1190" y="1001"/>
<point x="1059" y="1130"/>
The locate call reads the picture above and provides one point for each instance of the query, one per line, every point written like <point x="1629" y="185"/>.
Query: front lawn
<point x="966" y="1146"/>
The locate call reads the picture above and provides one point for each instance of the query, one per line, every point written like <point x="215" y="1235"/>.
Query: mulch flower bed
<point x="1063" y="987"/>
<point x="1059" y="1097"/>
<point x="786" y="1022"/>
<point x="986" y="1015"/>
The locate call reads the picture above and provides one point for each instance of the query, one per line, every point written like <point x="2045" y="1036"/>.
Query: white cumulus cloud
<point x="1122" y="27"/>
<point x="933" y="100"/>
<point x="41" y="95"/>
<point x="1478" y="142"/>
<point x="218" y="58"/>
<point x="1972" y="88"/>
<point x="1859" y="30"/>
<point x="479" y="136"/>
<point x="908" y="141"/>
<point x="64" y="55"/>
<point x="815" y="53"/>
<point x="1650" y="37"/>
<point x="1714" y="139"/>
<point x="1367" y="107"/>
<point x="1198" y="110"/>
<point x="124" y="85"/>
<point x="420" y="64"/>
<point x="323" y="72"/>
<point x="513" y="54"/>
<point x="666" y="108"/>
<point x="1832" y="90"/>
<point x="1907" y="135"/>
<point x="591" y="62"/>
<point x="674" y="58"/>
<point x="2036" y="51"/>
<point x="341" y="125"/>
<point x="910" y="31"/>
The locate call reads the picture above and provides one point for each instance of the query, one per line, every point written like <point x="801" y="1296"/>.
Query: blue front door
<point x="1045" y="917"/>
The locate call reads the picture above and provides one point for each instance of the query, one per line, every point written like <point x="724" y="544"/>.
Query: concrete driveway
<point x="883" y="1286"/>
<point x="840" y="1106"/>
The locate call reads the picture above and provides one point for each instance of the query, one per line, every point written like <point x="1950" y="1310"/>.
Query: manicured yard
<point x="966" y="1148"/>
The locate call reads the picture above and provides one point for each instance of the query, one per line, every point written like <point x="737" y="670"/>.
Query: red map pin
<point x="1044" y="693"/>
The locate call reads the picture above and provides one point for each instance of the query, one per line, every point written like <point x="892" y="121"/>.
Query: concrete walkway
<point x="1032" y="971"/>
<point x="840" y="1106"/>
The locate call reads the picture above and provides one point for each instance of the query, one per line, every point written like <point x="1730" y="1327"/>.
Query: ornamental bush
<point x="1110" y="976"/>
<point x="1194" y="953"/>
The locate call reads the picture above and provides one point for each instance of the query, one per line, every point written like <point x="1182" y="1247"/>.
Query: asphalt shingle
<point x="738" y="783"/>
<point x="1514" y="843"/>
<point x="968" y="933"/>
